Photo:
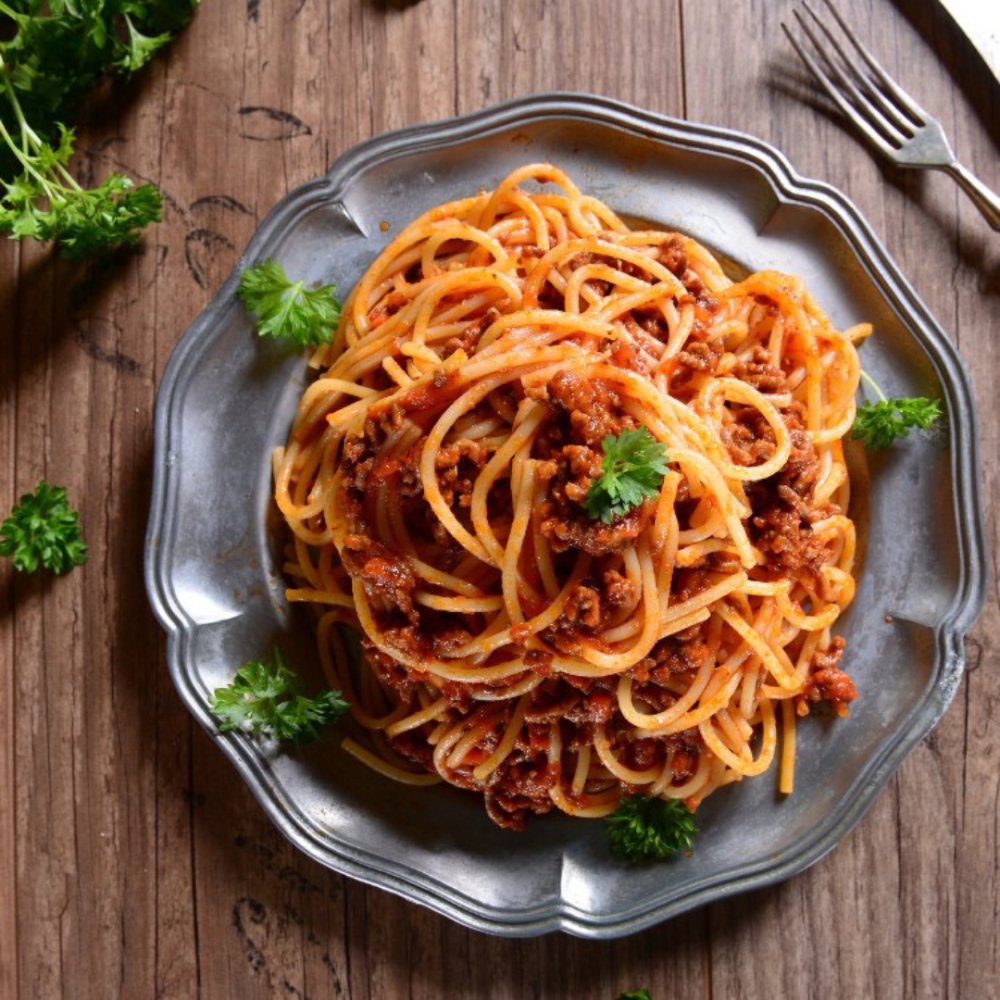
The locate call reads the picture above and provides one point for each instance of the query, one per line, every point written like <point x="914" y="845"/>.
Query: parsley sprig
<point x="632" y="470"/>
<point x="58" y="51"/>
<point x="46" y="203"/>
<point x="43" y="530"/>
<point x="880" y="423"/>
<point x="641" y="994"/>
<point x="266" y="699"/>
<point x="54" y="53"/>
<point x="288" y="309"/>
<point x="650" y="829"/>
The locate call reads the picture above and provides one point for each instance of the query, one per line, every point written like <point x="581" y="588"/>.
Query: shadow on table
<point x="293" y="924"/>
<point x="959" y="56"/>
<point x="978" y="252"/>
<point x="392" y="5"/>
<point x="52" y="298"/>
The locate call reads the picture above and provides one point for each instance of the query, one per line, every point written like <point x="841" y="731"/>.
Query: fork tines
<point x="856" y="82"/>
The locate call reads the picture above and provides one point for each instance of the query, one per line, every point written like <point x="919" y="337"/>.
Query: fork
<point x="892" y="122"/>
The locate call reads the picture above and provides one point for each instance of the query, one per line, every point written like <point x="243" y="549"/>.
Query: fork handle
<point x="984" y="199"/>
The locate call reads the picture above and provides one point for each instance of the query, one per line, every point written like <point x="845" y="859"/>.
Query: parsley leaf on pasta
<point x="632" y="470"/>
<point x="878" y="424"/>
<point x="650" y="829"/>
<point x="287" y="309"/>
<point x="265" y="698"/>
<point x="43" y="529"/>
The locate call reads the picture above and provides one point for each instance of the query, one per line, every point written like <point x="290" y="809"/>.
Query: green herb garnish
<point x="266" y="699"/>
<point x="43" y="530"/>
<point x="880" y="423"/>
<point x="650" y="829"/>
<point x="57" y="52"/>
<point x="633" y="469"/>
<point x="46" y="202"/>
<point x="286" y="309"/>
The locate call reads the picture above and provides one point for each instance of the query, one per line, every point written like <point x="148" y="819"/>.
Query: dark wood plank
<point x="43" y="695"/>
<point x="9" y="263"/>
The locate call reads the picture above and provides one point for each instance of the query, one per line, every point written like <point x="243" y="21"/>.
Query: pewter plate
<point x="213" y="573"/>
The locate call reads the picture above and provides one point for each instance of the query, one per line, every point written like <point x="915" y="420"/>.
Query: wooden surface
<point x="132" y="861"/>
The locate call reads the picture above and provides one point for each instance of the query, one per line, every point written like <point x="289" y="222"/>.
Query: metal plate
<point x="213" y="575"/>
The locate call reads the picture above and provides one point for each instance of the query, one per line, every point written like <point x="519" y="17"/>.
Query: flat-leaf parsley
<point x="51" y="55"/>
<point x="43" y="530"/>
<point x="632" y="470"/>
<point x="650" y="829"/>
<point x="287" y="309"/>
<point x="45" y="202"/>
<point x="266" y="699"/>
<point x="880" y="423"/>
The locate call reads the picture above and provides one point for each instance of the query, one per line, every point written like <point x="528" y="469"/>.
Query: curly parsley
<point x="46" y="202"/>
<point x="642" y="994"/>
<point x="53" y="55"/>
<point x="880" y="423"/>
<point x="632" y="470"/>
<point x="287" y="309"/>
<point x="266" y="699"/>
<point x="649" y="829"/>
<point x="43" y="530"/>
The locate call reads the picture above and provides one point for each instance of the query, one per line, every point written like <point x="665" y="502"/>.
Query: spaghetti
<point x="434" y="483"/>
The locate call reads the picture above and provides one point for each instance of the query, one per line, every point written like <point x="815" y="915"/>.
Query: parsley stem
<point x="31" y="142"/>
<point x="25" y="162"/>
<point x="26" y="130"/>
<point x="70" y="179"/>
<point x="873" y="384"/>
<point x="22" y="157"/>
<point x="24" y="152"/>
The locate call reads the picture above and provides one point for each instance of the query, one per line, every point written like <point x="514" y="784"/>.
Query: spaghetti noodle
<point x="434" y="483"/>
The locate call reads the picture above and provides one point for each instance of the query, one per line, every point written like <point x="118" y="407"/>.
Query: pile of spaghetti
<point x="514" y="641"/>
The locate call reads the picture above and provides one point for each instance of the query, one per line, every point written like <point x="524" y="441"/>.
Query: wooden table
<point x="132" y="861"/>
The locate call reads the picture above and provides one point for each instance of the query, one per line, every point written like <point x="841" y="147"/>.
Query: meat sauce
<point x="579" y="413"/>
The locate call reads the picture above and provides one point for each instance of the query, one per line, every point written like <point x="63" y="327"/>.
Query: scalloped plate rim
<point x="789" y="187"/>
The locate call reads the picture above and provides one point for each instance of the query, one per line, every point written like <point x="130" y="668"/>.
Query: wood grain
<point x="132" y="861"/>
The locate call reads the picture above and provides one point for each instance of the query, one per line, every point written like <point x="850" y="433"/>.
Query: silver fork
<point x="892" y="122"/>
